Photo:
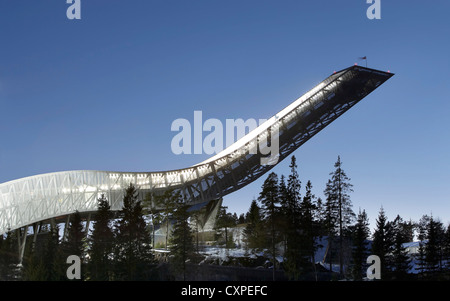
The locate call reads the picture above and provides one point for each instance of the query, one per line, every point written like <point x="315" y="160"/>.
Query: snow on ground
<point x="224" y="254"/>
<point x="221" y="254"/>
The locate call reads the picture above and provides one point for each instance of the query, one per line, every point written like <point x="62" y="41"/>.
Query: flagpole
<point x="364" y="58"/>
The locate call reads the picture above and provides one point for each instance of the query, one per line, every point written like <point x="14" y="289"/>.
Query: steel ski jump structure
<point x="31" y="201"/>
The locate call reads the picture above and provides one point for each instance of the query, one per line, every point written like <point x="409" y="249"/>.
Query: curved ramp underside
<point x="33" y="199"/>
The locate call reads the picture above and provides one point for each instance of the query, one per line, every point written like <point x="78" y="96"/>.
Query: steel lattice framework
<point x="26" y="201"/>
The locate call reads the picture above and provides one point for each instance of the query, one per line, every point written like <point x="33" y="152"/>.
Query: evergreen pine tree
<point x="101" y="243"/>
<point x="321" y="224"/>
<point x="441" y="244"/>
<point x="296" y="255"/>
<point x="241" y="219"/>
<point x="254" y="232"/>
<point x="340" y="207"/>
<point x="53" y="261"/>
<point x="407" y="229"/>
<point x="269" y="198"/>
<point x="9" y="258"/>
<point x="167" y="202"/>
<point x="382" y="242"/>
<point x="182" y="245"/>
<point x="32" y="263"/>
<point x="133" y="255"/>
<point x="285" y="222"/>
<point x="420" y="260"/>
<point x="74" y="245"/>
<point x="401" y="262"/>
<point x="309" y="231"/>
<point x="197" y="221"/>
<point x="293" y="195"/>
<point x="224" y="221"/>
<point x="150" y="204"/>
<point x="329" y="222"/>
<point x="433" y="247"/>
<point x="446" y="249"/>
<point x="422" y="237"/>
<point x="360" y="249"/>
<point x="235" y="218"/>
<point x="33" y="268"/>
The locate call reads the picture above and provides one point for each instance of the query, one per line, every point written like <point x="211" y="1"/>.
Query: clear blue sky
<point x="101" y="93"/>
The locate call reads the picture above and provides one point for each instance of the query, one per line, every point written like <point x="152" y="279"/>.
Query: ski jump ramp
<point x="32" y="200"/>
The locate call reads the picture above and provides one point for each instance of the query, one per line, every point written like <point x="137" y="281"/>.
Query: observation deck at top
<point x="30" y="200"/>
